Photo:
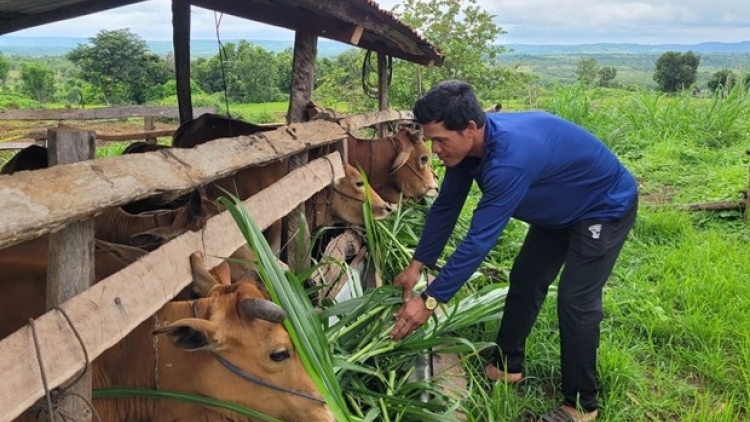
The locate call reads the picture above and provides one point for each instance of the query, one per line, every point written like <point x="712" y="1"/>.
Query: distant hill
<point x="58" y="46"/>
<point x="707" y="47"/>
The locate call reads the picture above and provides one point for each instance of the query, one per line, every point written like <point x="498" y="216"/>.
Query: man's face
<point x="449" y="145"/>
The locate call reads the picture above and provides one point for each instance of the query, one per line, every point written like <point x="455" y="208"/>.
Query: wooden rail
<point x="99" y="113"/>
<point x="43" y="201"/>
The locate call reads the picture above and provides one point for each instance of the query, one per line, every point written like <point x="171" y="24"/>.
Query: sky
<point x="526" y="22"/>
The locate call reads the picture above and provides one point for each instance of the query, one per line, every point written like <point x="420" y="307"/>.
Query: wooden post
<point x="382" y="88"/>
<point x="181" y="41"/>
<point x="148" y="125"/>
<point x="300" y="94"/>
<point x="70" y="263"/>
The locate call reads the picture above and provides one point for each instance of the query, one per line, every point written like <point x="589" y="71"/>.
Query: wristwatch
<point x="429" y="301"/>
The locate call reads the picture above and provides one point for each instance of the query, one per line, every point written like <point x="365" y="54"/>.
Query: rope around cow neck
<point x="247" y="377"/>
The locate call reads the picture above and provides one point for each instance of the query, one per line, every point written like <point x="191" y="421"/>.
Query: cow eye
<point x="360" y="183"/>
<point x="423" y="159"/>
<point x="280" y="355"/>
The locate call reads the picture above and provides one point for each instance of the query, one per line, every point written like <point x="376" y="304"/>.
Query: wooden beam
<point x="43" y="201"/>
<point x="99" y="113"/>
<point x="181" y="42"/>
<point x="383" y="83"/>
<point x="23" y="21"/>
<point x="15" y="145"/>
<point x="286" y="15"/>
<point x="110" y="309"/>
<point x="352" y="123"/>
<point x="71" y="261"/>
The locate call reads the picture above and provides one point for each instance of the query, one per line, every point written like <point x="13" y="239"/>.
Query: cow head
<point x="348" y="195"/>
<point x="232" y="338"/>
<point x="411" y="171"/>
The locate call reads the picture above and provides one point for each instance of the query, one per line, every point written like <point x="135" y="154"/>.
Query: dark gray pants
<point x="588" y="249"/>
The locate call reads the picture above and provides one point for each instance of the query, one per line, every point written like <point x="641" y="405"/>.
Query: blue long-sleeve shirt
<point x="537" y="168"/>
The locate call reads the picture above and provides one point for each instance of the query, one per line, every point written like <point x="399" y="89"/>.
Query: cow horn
<point x="254" y="307"/>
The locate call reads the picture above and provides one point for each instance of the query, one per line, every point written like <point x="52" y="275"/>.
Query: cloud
<point x="526" y="21"/>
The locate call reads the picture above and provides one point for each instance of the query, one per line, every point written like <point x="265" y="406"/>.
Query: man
<point x="580" y="203"/>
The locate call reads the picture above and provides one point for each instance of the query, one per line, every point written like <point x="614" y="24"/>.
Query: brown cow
<point x="229" y="345"/>
<point x="395" y="165"/>
<point x="343" y="202"/>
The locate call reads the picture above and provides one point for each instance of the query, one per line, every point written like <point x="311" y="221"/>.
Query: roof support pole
<point x="300" y="94"/>
<point x="382" y="88"/>
<point x="181" y="41"/>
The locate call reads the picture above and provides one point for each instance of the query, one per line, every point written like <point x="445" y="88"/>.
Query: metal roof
<point x="359" y="23"/>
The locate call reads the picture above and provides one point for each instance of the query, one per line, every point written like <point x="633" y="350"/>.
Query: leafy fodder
<point x="306" y="333"/>
<point x="346" y="346"/>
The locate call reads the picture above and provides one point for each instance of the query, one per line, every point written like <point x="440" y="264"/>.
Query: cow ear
<point x="222" y="274"/>
<point x="404" y="152"/>
<point x="192" y="334"/>
<point x="203" y="281"/>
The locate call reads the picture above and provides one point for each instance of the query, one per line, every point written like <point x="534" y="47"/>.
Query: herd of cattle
<point x="221" y="338"/>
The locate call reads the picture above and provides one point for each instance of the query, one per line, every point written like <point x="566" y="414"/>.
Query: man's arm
<point x="503" y="190"/>
<point x="443" y="214"/>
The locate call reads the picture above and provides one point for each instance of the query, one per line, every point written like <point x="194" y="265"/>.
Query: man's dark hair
<point x="452" y="103"/>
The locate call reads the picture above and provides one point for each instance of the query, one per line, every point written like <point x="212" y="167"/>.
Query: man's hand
<point x="410" y="317"/>
<point x="408" y="278"/>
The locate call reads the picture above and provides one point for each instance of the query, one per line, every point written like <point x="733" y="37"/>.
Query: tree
<point x="38" y="81"/>
<point x="119" y="63"/>
<point x="723" y="79"/>
<point x="607" y="75"/>
<point x="247" y="72"/>
<point x="587" y="71"/>
<point x="465" y="33"/>
<point x="675" y="71"/>
<point x="4" y="69"/>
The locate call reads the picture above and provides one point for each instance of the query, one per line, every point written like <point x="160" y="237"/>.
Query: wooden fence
<point x="147" y="113"/>
<point x="43" y="201"/>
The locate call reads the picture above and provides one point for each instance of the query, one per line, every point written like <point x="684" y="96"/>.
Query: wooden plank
<point x="43" y="201"/>
<point x="99" y="113"/>
<point x="71" y="261"/>
<point x="148" y="126"/>
<point x="146" y="134"/>
<point x="109" y="310"/>
<point x="352" y="123"/>
<point x="15" y="145"/>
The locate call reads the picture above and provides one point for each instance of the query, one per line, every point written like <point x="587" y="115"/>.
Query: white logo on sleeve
<point x="595" y="230"/>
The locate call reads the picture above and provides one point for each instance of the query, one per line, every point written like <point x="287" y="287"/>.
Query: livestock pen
<point x="66" y="339"/>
